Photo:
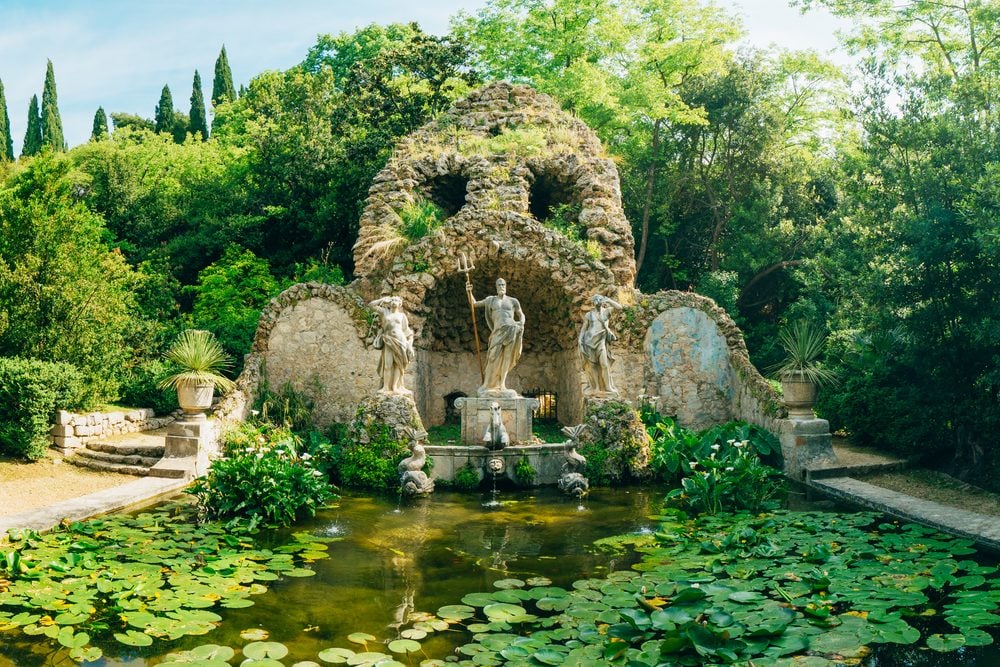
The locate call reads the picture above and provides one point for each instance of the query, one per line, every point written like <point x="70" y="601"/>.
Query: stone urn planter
<point x="799" y="394"/>
<point x="199" y="359"/>
<point x="801" y="372"/>
<point x="195" y="399"/>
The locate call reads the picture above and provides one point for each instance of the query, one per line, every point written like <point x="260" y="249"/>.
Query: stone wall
<point x="692" y="362"/>
<point x="73" y="430"/>
<point x="318" y="339"/>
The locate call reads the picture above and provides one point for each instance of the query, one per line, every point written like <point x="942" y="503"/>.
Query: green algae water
<point x="393" y="564"/>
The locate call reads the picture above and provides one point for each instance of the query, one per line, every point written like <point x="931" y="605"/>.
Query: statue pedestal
<point x="515" y="412"/>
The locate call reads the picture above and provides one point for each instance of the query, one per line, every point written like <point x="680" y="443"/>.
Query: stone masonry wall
<point x="694" y="362"/>
<point x="73" y="430"/>
<point x="317" y="338"/>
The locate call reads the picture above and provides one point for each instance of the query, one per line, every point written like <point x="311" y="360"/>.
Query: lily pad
<point x="404" y="646"/>
<point x="261" y="650"/>
<point x="337" y="656"/>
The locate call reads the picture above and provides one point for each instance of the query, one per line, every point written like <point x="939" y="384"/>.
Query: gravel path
<point x="940" y="488"/>
<point x="29" y="486"/>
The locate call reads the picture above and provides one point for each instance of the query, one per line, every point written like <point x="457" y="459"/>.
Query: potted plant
<point x="200" y="359"/>
<point x="800" y="372"/>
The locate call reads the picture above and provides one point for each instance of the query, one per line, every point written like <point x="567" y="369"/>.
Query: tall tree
<point x="100" y="130"/>
<point x="52" y="129"/>
<point x="199" y="120"/>
<point x="33" y="136"/>
<point x="222" y="86"/>
<point x="6" y="143"/>
<point x="165" y="112"/>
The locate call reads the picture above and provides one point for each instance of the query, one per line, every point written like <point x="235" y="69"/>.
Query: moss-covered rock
<point x="615" y="442"/>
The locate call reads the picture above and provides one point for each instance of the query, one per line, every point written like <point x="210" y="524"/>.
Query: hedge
<point x="30" y="393"/>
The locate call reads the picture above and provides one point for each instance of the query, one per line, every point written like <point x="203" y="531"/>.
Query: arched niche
<point x="446" y="350"/>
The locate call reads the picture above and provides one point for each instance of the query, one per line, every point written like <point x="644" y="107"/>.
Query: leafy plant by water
<point x="266" y="475"/>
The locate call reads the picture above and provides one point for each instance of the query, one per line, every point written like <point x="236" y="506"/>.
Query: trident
<point x="465" y="266"/>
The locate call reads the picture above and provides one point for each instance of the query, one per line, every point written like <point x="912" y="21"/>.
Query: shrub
<point x="30" y="393"/>
<point x="615" y="444"/>
<point x="265" y="476"/>
<point x="731" y="477"/>
<point x="286" y="407"/>
<point x="524" y="472"/>
<point x="139" y="387"/>
<point x="370" y="461"/>
<point x="466" y="478"/>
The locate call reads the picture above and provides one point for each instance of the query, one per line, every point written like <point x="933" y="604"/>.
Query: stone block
<point x="67" y="442"/>
<point x="805" y="444"/>
<point x="61" y="430"/>
<point x="115" y="417"/>
<point x="83" y="431"/>
<point x="64" y="418"/>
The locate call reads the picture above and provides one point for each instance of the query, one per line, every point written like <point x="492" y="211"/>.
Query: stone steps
<point x="129" y="454"/>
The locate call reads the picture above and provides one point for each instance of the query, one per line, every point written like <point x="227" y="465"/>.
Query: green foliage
<point x="420" y="219"/>
<point x="466" y="478"/>
<point x="730" y="478"/>
<point x="100" y="128"/>
<point x="524" y="472"/>
<point x="131" y="121"/>
<point x="286" y="407"/>
<point x="164" y="116"/>
<point x="143" y="578"/>
<point x="64" y="295"/>
<point x="30" y="393"/>
<point x="265" y="476"/>
<point x="32" y="144"/>
<point x="803" y="344"/>
<point x="230" y="295"/>
<point x="222" y="83"/>
<point x="139" y="386"/>
<point x="6" y="142"/>
<point x="199" y="120"/>
<point x="52" y="130"/>
<point x="369" y="458"/>
<point x="199" y="359"/>
<point x="615" y="444"/>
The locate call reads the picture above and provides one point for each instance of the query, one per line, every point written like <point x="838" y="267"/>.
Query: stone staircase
<point x="128" y="453"/>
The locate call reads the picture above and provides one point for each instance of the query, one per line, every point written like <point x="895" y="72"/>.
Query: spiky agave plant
<point x="201" y="360"/>
<point x="803" y="344"/>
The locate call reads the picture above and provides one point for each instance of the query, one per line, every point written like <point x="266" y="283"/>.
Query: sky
<point x="119" y="53"/>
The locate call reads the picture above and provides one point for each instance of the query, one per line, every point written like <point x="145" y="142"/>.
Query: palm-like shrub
<point x="803" y="344"/>
<point x="200" y="359"/>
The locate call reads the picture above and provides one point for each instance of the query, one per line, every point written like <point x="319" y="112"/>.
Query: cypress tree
<point x="6" y="143"/>
<point x="33" y="136"/>
<point x="165" y="111"/>
<point x="100" y="130"/>
<point x="199" y="121"/>
<point x="222" y="86"/>
<point x="52" y="130"/>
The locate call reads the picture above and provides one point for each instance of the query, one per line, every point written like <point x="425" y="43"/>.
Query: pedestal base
<point x="515" y="413"/>
<point x="187" y="449"/>
<point x="805" y="443"/>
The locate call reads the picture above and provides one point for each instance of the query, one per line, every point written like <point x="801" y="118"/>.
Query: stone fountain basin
<point x="546" y="458"/>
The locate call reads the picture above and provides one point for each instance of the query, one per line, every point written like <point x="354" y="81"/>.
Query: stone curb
<point x="855" y="470"/>
<point x="131" y="494"/>
<point x="983" y="529"/>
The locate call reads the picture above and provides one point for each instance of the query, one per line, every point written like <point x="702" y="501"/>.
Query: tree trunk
<point x="647" y="205"/>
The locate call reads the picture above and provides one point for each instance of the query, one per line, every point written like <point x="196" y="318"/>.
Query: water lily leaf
<point x="86" y="654"/>
<point x="337" y="656"/>
<point x="746" y="597"/>
<point x="133" y="638"/>
<point x="456" y="612"/>
<point x="299" y="572"/>
<point x="306" y="663"/>
<point x="945" y="643"/>
<point x="504" y="612"/>
<point x="975" y="637"/>
<point x="262" y="662"/>
<point x="368" y="658"/>
<point x="255" y="634"/>
<point x="549" y="657"/>
<point x="478" y="599"/>
<point x="413" y="633"/>
<point x="539" y="581"/>
<point x="260" y="650"/>
<point x="509" y="583"/>
<point x="237" y="603"/>
<point x="69" y="639"/>
<point x="404" y="646"/>
<point x="433" y="662"/>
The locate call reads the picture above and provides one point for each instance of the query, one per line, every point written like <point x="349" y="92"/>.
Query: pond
<point x="392" y="559"/>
